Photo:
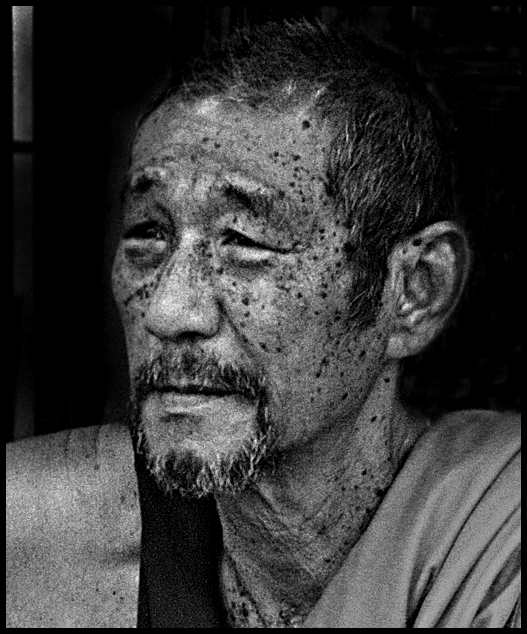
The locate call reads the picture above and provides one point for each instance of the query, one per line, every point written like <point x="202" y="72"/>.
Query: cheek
<point x="132" y="295"/>
<point x="255" y="310"/>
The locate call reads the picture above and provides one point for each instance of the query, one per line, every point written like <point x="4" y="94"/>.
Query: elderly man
<point x="287" y="243"/>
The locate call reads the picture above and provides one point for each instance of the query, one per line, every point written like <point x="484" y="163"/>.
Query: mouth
<point x="196" y="389"/>
<point x="185" y="396"/>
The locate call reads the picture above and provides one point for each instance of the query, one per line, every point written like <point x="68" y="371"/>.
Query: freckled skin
<point x="332" y="391"/>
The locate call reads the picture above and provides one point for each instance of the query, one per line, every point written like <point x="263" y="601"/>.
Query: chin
<point x="184" y="459"/>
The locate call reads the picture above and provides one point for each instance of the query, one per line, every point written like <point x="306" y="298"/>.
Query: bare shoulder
<point x="72" y="529"/>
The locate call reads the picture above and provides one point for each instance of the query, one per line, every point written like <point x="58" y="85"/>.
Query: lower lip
<point x="178" y="402"/>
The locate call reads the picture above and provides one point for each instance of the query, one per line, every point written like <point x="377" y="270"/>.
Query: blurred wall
<point x="97" y="67"/>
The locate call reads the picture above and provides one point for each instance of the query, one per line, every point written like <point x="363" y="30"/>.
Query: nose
<point x="184" y="304"/>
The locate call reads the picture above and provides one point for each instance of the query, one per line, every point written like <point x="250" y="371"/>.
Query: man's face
<point x="234" y="289"/>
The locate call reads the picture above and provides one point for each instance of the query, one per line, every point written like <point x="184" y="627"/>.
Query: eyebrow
<point x="140" y="182"/>
<point x="137" y="184"/>
<point x="257" y="199"/>
<point x="255" y="203"/>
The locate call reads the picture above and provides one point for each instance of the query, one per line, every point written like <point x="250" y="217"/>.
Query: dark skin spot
<point x="306" y="124"/>
<point x="328" y="190"/>
<point x="417" y="242"/>
<point x="143" y="292"/>
<point x="142" y="184"/>
<point x="373" y="419"/>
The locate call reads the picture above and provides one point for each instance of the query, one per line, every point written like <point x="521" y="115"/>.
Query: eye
<point x="231" y="237"/>
<point x="145" y="244"/>
<point x="145" y="231"/>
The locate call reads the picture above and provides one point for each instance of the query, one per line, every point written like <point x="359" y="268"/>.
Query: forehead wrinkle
<point x="218" y="178"/>
<point x="229" y="181"/>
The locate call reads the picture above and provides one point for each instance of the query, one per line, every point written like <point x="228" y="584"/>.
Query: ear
<point x="426" y="276"/>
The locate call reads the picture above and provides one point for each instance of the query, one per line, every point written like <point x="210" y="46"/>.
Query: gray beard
<point x="189" y="475"/>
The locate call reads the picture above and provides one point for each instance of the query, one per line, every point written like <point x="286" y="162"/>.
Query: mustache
<point x="196" y="369"/>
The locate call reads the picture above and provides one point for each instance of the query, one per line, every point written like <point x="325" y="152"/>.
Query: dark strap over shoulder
<point x="180" y="549"/>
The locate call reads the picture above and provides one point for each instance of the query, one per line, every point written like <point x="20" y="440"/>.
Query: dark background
<point x="95" y="68"/>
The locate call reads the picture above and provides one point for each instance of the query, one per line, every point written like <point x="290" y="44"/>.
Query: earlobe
<point x="427" y="274"/>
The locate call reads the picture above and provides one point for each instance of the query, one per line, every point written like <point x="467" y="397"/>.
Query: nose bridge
<point x="184" y="302"/>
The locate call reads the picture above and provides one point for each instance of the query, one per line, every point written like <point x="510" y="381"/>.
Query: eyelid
<point x="140" y="230"/>
<point x="231" y="235"/>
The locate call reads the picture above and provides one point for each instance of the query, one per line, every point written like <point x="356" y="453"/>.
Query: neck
<point x="285" y="538"/>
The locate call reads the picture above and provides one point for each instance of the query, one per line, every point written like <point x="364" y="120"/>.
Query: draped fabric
<point x="444" y="547"/>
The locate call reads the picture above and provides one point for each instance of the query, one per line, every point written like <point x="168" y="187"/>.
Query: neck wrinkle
<point x="290" y="534"/>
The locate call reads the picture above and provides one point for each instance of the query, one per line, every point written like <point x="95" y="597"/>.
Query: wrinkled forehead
<point x="232" y="135"/>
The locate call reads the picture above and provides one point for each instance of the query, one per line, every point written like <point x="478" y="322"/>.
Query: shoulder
<point x="443" y="548"/>
<point x="470" y="435"/>
<point x="463" y="455"/>
<point x="72" y="526"/>
<point x="464" y="460"/>
<point x="465" y="470"/>
<point x="469" y="474"/>
<point x="69" y="476"/>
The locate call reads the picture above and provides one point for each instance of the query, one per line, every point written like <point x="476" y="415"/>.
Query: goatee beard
<point x="182" y="471"/>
